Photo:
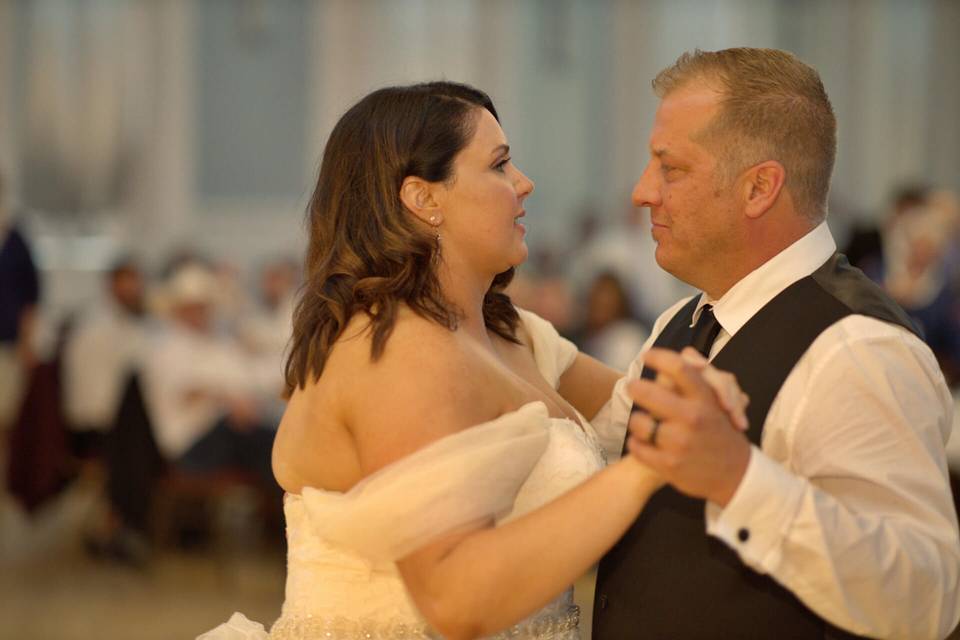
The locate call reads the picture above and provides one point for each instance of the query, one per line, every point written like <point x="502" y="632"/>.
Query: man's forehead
<point x="689" y="103"/>
<point x="682" y="113"/>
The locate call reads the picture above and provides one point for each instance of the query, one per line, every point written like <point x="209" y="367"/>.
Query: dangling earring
<point x="435" y="221"/>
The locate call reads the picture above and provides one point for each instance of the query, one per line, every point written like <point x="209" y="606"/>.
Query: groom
<point x="831" y="517"/>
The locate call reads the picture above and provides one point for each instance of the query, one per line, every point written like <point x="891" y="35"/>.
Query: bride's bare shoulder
<point x="411" y="341"/>
<point x="365" y="412"/>
<point x="427" y="383"/>
<point x="362" y="410"/>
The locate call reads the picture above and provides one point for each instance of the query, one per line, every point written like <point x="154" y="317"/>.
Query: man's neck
<point x="760" y="247"/>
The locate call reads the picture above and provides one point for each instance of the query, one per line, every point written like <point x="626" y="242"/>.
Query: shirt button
<point x="743" y="535"/>
<point x="602" y="601"/>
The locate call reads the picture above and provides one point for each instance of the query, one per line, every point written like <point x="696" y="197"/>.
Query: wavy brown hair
<point x="367" y="253"/>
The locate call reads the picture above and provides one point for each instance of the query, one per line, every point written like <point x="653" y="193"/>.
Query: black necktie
<point x="705" y="331"/>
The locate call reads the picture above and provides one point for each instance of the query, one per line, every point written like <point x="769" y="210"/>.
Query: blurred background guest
<point x="611" y="332"/>
<point x="104" y="346"/>
<point x="625" y="249"/>
<point x="266" y="324"/>
<point x="19" y="298"/>
<point x="205" y="402"/>
<point x="919" y="249"/>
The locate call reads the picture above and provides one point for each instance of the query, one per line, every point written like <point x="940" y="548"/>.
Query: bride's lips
<point x="516" y="220"/>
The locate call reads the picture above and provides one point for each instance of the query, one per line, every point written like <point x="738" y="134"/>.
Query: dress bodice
<point x="342" y="579"/>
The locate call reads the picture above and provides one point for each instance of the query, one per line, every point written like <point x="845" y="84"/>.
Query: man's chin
<point x="661" y="257"/>
<point x="667" y="262"/>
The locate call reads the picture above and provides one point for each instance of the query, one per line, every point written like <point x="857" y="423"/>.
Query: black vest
<point x="666" y="578"/>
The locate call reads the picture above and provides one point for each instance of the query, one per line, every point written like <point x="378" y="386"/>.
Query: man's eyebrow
<point x="659" y="152"/>
<point x="502" y="149"/>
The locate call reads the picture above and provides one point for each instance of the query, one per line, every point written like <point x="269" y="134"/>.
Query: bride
<point x="441" y="475"/>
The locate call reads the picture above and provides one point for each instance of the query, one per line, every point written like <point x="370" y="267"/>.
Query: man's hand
<point x="698" y="448"/>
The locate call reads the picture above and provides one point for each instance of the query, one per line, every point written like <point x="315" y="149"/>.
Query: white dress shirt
<point x="107" y="346"/>
<point x="847" y="502"/>
<point x="181" y="362"/>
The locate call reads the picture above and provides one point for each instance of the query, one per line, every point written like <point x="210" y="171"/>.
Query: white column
<point x="167" y="213"/>
<point x="9" y="165"/>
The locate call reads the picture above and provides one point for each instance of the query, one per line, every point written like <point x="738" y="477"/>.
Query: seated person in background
<point x="611" y="332"/>
<point x="19" y="299"/>
<point x="104" y="348"/>
<point x="266" y="326"/>
<point x="102" y="351"/>
<point x="919" y="242"/>
<point x="204" y="403"/>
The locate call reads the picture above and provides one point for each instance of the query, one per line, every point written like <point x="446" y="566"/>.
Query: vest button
<point x="743" y="535"/>
<point x="602" y="602"/>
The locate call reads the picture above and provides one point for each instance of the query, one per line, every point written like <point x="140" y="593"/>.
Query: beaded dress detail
<point x="342" y="580"/>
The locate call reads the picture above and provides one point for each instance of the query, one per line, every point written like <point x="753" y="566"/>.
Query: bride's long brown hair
<point x="366" y="253"/>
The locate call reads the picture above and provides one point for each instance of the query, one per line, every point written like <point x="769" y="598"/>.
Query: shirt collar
<point x="756" y="289"/>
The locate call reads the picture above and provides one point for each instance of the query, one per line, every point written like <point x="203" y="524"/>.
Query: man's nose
<point x="646" y="192"/>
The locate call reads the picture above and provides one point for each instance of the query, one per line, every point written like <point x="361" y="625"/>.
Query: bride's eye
<point x="501" y="166"/>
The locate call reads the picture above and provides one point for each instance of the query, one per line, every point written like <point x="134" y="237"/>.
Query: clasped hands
<point x="698" y="446"/>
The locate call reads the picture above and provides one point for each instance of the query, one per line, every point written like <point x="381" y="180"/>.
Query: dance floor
<point x="50" y="589"/>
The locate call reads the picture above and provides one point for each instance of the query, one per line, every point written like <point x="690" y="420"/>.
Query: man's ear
<point x="761" y="187"/>
<point x="419" y="197"/>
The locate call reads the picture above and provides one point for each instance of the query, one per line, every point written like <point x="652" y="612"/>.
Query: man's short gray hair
<point x="773" y="107"/>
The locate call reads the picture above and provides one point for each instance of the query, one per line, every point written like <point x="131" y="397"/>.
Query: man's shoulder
<point x="861" y="349"/>
<point x="863" y="332"/>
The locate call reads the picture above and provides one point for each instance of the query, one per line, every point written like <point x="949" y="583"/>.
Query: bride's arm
<point x="587" y="384"/>
<point x="477" y="583"/>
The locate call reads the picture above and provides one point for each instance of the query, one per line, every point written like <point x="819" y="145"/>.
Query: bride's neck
<point x="466" y="295"/>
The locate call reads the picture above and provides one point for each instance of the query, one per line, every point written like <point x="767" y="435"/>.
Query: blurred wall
<point x="147" y="124"/>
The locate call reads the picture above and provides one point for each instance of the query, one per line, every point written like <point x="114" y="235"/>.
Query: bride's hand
<point x="731" y="398"/>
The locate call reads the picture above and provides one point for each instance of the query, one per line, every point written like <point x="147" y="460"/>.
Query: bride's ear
<point x="418" y="196"/>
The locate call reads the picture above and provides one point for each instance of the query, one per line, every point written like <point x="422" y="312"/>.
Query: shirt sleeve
<point x="848" y="504"/>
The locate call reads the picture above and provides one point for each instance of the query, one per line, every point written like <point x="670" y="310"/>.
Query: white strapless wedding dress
<point x="342" y="580"/>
